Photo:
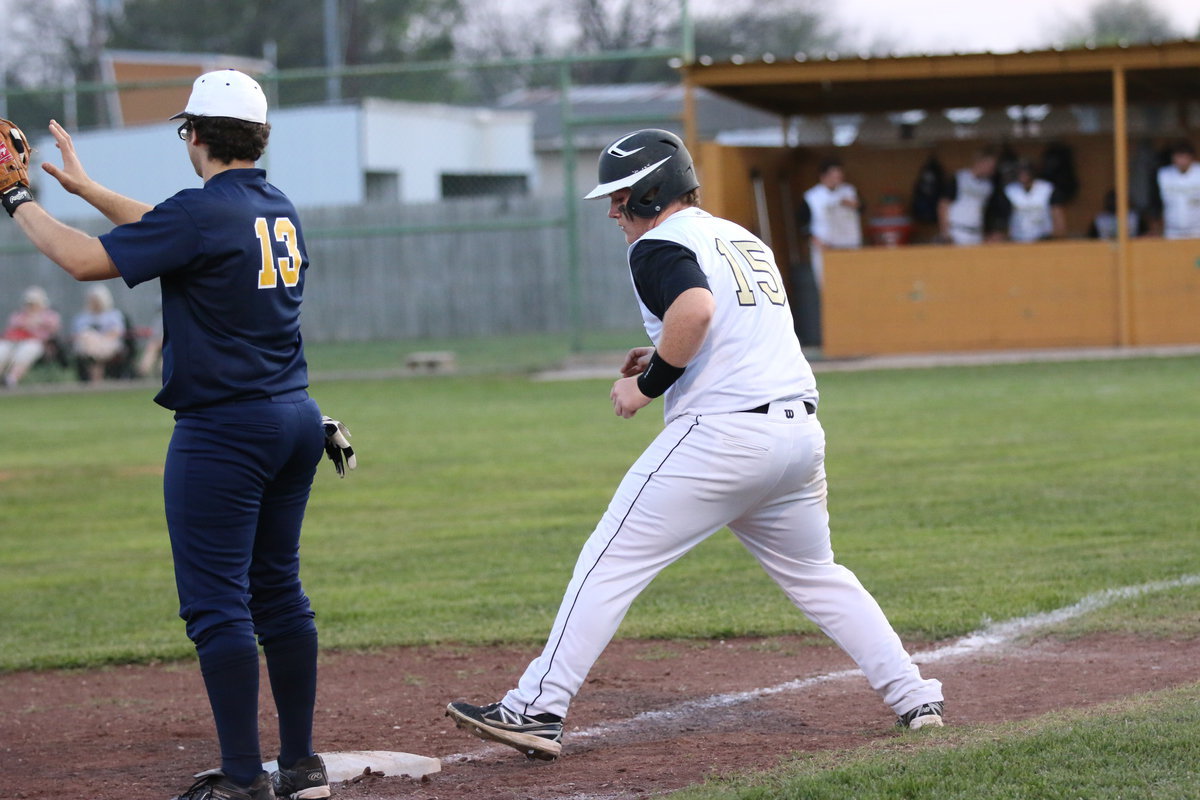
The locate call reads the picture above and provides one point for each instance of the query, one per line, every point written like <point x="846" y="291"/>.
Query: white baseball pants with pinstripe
<point x="763" y="476"/>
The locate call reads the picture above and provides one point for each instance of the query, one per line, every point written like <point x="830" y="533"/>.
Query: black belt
<point x="765" y="407"/>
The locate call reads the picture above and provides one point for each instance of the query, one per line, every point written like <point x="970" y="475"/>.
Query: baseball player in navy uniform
<point x="742" y="448"/>
<point x="231" y="263"/>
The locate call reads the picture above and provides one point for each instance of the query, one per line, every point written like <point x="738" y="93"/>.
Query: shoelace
<point x="198" y="790"/>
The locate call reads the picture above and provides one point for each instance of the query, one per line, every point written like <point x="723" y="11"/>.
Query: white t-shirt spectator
<point x="834" y="222"/>
<point x="1180" y="193"/>
<point x="968" y="196"/>
<point x="1030" y="220"/>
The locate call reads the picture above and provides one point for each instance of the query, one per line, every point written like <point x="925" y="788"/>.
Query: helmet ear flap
<point x="646" y="201"/>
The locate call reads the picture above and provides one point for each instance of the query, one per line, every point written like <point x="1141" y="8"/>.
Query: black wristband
<point x="16" y="196"/>
<point x="658" y="376"/>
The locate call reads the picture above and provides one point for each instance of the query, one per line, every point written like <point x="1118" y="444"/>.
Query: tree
<point x="750" y="28"/>
<point x="1110" y="22"/>
<point x="493" y="31"/>
<point x="779" y="27"/>
<point x="59" y="45"/>
<point x="372" y="31"/>
<point x="743" y="27"/>
<point x="605" y="26"/>
<point x="72" y="33"/>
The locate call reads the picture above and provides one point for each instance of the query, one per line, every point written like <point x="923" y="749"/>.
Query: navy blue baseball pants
<point x="236" y="484"/>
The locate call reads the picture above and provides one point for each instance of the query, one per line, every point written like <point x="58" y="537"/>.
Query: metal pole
<point x="688" y="45"/>
<point x="71" y="103"/>
<point x="691" y="135"/>
<point x="1125" y="320"/>
<point x="687" y="28"/>
<point x="570" y="201"/>
<point x="333" y="53"/>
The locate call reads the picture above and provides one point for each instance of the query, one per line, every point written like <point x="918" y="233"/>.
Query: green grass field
<point x="958" y="495"/>
<point x="1143" y="748"/>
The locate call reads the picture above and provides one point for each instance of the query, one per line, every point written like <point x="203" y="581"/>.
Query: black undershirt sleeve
<point x="804" y="217"/>
<point x="1156" y="199"/>
<point x="950" y="191"/>
<point x="662" y="271"/>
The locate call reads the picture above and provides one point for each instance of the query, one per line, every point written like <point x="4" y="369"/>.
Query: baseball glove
<point x="337" y="446"/>
<point x="14" y="167"/>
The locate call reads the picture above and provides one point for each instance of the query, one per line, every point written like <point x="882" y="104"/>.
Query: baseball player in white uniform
<point x="961" y="209"/>
<point x="1179" y="188"/>
<point x="742" y="447"/>
<point x="1035" y="211"/>
<point x="833" y="211"/>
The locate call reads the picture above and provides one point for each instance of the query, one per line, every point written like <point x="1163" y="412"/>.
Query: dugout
<point x="1106" y="104"/>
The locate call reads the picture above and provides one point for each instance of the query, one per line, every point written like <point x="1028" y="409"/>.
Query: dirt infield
<point x="136" y="733"/>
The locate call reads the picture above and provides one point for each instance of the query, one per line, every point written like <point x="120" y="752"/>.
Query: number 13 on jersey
<point x="272" y="268"/>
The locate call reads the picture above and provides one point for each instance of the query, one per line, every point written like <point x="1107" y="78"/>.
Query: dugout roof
<point x="837" y="84"/>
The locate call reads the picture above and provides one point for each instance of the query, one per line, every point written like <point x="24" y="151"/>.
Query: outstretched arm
<point x="80" y="255"/>
<point x="117" y="207"/>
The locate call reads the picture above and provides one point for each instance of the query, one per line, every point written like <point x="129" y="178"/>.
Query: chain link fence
<point x="495" y="251"/>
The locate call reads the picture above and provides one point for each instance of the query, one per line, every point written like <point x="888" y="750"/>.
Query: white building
<point x="378" y="151"/>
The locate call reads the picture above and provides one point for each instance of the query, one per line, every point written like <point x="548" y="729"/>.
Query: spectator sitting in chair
<point x="98" y="334"/>
<point x="31" y="331"/>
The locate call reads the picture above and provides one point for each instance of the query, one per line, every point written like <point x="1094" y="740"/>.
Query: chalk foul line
<point x="991" y="637"/>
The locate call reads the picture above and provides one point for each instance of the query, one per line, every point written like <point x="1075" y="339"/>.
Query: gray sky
<point x="969" y="25"/>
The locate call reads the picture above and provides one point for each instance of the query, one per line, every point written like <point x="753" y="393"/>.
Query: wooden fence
<point x="463" y="268"/>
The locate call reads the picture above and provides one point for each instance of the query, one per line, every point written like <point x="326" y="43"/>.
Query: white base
<point x="352" y="763"/>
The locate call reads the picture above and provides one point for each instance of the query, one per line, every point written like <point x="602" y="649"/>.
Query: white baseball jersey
<point x="741" y="448"/>
<point x="1181" y="201"/>
<point x="833" y="222"/>
<point x="1105" y="224"/>
<point x="751" y="355"/>
<point x="965" y="214"/>
<point x="1030" y="220"/>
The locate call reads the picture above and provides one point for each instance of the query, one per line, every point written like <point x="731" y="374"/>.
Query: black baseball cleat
<point x="213" y="785"/>
<point x="924" y="715"/>
<point x="304" y="780"/>
<point x="537" y="737"/>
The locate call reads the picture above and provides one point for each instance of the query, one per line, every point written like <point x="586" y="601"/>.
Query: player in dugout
<point x="231" y="263"/>
<point x="742" y="448"/>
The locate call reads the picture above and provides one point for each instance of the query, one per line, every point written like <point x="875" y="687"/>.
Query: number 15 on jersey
<point x="762" y="271"/>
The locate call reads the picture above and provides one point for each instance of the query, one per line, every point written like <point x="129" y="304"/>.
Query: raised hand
<point x="71" y="174"/>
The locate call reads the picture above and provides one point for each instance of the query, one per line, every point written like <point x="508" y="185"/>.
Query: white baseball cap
<point x="226" y="93"/>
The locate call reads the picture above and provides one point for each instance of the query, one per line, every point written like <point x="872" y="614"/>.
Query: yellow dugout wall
<point x="1004" y="296"/>
<point x="939" y="298"/>
<point x="1073" y="292"/>
<point x="1165" y="291"/>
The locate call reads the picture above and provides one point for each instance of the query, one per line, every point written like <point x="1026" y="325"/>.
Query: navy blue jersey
<point x="231" y="260"/>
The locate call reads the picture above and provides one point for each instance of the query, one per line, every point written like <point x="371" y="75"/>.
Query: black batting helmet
<point x="653" y="164"/>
